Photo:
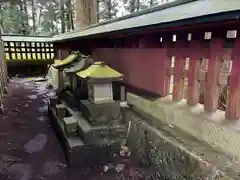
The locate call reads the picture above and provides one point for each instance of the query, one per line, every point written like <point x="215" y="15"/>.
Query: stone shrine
<point x="92" y="132"/>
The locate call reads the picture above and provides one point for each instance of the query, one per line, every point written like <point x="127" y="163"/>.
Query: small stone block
<point x="91" y="155"/>
<point x="92" y="134"/>
<point x="223" y="79"/>
<point x="61" y="110"/>
<point x="202" y="75"/>
<point x="100" y="114"/>
<point x="123" y="94"/>
<point x="70" y="124"/>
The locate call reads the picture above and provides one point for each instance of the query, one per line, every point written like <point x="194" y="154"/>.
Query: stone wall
<point x="173" y="155"/>
<point x="212" y="129"/>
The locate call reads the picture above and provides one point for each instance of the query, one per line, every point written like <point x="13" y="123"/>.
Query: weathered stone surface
<point x="70" y="124"/>
<point x="101" y="114"/>
<point x="213" y="128"/>
<point x="92" y="134"/>
<point x="61" y="111"/>
<point x="79" y="154"/>
<point x="72" y="99"/>
<point x="91" y="155"/>
<point x="171" y="154"/>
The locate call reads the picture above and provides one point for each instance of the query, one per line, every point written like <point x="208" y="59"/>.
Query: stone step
<point x="78" y="153"/>
<point x="92" y="134"/>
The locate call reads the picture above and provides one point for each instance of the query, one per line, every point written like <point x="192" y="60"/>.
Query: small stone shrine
<point x="93" y="132"/>
<point x="61" y="65"/>
<point x="100" y="108"/>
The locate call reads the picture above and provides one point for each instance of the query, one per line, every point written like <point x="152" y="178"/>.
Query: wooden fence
<point x="29" y="50"/>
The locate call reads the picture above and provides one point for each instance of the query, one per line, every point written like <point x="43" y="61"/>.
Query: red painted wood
<point x="63" y="53"/>
<point x="179" y="52"/>
<point x="196" y="52"/>
<point x="231" y="24"/>
<point x="212" y="89"/>
<point x="233" y="104"/>
<point x="142" y="68"/>
<point x="178" y="88"/>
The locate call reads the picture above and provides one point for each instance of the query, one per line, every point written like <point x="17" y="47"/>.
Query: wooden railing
<point x="200" y="52"/>
<point x="28" y="48"/>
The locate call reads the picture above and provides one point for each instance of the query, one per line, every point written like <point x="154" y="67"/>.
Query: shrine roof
<point x="22" y="38"/>
<point x="80" y="65"/>
<point x="99" y="71"/>
<point x="176" y="13"/>
<point x="67" y="61"/>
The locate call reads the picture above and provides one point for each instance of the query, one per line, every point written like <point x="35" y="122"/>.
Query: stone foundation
<point x="213" y="129"/>
<point x="174" y="155"/>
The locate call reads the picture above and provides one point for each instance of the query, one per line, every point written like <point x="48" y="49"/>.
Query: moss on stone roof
<point x="100" y="71"/>
<point x="67" y="61"/>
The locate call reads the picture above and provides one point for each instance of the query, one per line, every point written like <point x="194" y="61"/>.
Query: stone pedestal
<point x="88" y="149"/>
<point x="100" y="114"/>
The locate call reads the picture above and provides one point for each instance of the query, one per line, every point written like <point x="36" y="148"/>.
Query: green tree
<point x="135" y="5"/>
<point x="50" y="19"/>
<point x="107" y="9"/>
<point x="153" y="3"/>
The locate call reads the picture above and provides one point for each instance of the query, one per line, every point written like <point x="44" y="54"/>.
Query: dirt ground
<point x="29" y="149"/>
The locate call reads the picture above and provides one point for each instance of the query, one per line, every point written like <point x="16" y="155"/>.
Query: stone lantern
<point x="99" y="79"/>
<point x="100" y="108"/>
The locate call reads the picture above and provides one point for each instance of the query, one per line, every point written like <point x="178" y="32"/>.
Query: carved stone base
<point x="93" y="134"/>
<point x="78" y="153"/>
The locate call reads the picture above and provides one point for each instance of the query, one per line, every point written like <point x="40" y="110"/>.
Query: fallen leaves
<point x="119" y="167"/>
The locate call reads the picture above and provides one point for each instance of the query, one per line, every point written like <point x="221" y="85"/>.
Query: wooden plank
<point x="212" y="89"/>
<point x="178" y="87"/>
<point x="196" y="52"/>
<point x="233" y="103"/>
<point x="180" y="58"/>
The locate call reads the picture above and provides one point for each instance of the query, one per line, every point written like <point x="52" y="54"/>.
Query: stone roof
<point x="67" y="61"/>
<point x="100" y="71"/>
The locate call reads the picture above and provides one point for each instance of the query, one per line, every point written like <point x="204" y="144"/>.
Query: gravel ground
<point x="29" y="149"/>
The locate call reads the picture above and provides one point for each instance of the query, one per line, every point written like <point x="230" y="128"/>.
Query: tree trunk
<point x="25" y="16"/>
<point x="98" y="11"/>
<point x="109" y="9"/>
<point x="151" y="3"/>
<point x="62" y="16"/>
<point x="25" y="11"/>
<point x="34" y="16"/>
<point x="23" y="27"/>
<point x="86" y="12"/>
<point x="132" y="6"/>
<point x="138" y="5"/>
<point x="1" y="22"/>
<point x="69" y="16"/>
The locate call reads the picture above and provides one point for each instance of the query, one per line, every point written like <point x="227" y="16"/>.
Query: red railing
<point x="203" y="62"/>
<point x="194" y="58"/>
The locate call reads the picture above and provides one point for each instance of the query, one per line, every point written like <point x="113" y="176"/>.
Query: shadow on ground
<point x="29" y="149"/>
